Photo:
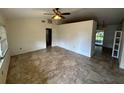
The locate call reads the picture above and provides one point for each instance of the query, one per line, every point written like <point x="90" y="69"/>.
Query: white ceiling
<point x="31" y="12"/>
<point x="108" y="15"/>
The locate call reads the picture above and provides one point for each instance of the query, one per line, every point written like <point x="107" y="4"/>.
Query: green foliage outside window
<point x="99" y="37"/>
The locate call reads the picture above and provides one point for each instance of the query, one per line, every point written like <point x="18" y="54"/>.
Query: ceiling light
<point x="57" y="17"/>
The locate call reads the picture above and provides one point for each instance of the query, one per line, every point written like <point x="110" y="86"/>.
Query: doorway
<point x="99" y="42"/>
<point x="48" y="37"/>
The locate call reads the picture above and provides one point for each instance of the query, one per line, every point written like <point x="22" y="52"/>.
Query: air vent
<point x="43" y="21"/>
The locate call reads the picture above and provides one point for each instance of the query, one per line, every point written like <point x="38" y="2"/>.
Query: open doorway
<point x="103" y="42"/>
<point x="99" y="42"/>
<point x="48" y="37"/>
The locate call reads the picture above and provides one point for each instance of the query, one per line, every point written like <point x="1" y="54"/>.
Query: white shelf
<point x="116" y="46"/>
<point x="115" y="50"/>
<point x="118" y="37"/>
<point x="116" y="43"/>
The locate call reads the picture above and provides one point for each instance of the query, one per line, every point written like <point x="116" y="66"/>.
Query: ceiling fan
<point x="57" y="15"/>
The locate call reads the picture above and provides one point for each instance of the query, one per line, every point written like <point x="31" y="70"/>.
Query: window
<point x="99" y="38"/>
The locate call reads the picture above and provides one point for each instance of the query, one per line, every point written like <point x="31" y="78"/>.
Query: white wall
<point x="77" y="37"/>
<point x="121" y="59"/>
<point x="28" y="34"/>
<point x="109" y="35"/>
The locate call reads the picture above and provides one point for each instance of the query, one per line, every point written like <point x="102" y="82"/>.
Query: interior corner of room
<point x="88" y="37"/>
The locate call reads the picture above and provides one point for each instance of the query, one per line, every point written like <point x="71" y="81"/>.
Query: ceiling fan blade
<point x="58" y="12"/>
<point x="66" y="13"/>
<point x="53" y="17"/>
<point x="62" y="17"/>
<point x="48" y="14"/>
<point x="55" y="11"/>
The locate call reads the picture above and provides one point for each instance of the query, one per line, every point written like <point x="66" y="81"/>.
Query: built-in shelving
<point x="116" y="44"/>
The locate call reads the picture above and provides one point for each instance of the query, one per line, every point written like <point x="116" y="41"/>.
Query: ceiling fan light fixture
<point x="57" y="17"/>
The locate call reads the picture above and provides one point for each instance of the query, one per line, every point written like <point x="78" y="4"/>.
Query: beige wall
<point x="28" y="34"/>
<point x="77" y="37"/>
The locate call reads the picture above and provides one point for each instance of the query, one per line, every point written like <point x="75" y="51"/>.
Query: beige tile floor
<point x="57" y="65"/>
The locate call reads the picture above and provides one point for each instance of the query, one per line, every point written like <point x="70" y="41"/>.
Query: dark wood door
<point x="48" y="37"/>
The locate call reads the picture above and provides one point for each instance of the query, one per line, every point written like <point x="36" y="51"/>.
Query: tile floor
<point x="57" y="66"/>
